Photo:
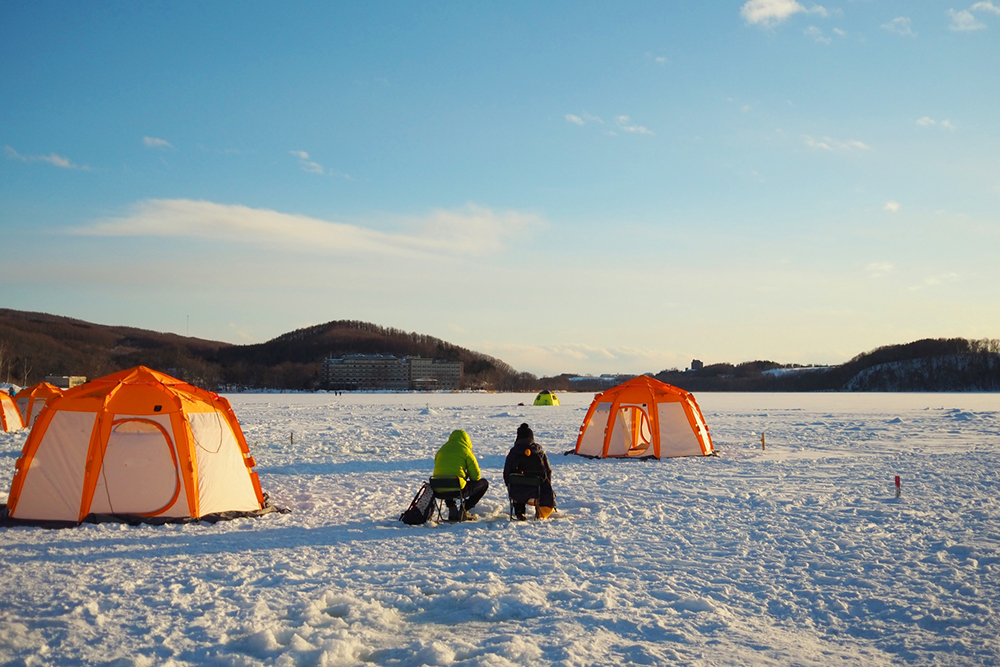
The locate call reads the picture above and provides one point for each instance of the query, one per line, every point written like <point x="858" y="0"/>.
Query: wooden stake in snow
<point x="898" y="492"/>
<point x="291" y="438"/>
<point x="762" y="445"/>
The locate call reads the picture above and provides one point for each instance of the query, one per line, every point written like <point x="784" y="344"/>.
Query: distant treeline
<point x="940" y="364"/>
<point x="34" y="345"/>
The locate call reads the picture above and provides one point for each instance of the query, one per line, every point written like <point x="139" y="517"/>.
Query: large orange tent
<point x="31" y="400"/>
<point x="10" y="418"/>
<point x="644" y="418"/>
<point x="138" y="445"/>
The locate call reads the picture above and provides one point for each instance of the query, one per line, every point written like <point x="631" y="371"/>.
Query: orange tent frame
<point x="10" y="417"/>
<point x="644" y="418"/>
<point x="148" y="402"/>
<point x="28" y="398"/>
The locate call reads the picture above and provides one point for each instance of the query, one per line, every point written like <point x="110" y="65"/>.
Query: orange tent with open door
<point x="10" y="418"/>
<point x="136" y="445"/>
<point x="31" y="400"/>
<point x="644" y="418"/>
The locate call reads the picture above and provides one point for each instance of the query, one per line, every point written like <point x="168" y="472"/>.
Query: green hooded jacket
<point x="455" y="459"/>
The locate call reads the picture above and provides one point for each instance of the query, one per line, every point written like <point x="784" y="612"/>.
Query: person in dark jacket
<point x="527" y="457"/>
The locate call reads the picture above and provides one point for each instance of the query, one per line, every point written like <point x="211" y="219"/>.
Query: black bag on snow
<point x="420" y="508"/>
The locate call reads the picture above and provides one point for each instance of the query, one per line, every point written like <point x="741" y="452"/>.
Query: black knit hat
<point x="524" y="431"/>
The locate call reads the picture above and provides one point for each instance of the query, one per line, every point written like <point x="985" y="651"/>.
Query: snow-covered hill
<point x="796" y="555"/>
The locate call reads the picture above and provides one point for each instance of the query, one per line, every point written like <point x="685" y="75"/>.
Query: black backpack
<point x="421" y="507"/>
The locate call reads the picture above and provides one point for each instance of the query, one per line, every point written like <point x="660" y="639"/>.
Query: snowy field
<point x="797" y="555"/>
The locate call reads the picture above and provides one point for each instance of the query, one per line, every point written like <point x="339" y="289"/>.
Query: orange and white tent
<point x="137" y="444"/>
<point x="31" y="400"/>
<point x="10" y="418"/>
<point x="644" y="418"/>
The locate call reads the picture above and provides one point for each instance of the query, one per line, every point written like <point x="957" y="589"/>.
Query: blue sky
<point x="572" y="187"/>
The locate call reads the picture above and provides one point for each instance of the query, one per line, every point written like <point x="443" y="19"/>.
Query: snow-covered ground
<point x="797" y="555"/>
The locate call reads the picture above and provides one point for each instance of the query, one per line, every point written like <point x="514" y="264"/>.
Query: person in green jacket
<point x="455" y="459"/>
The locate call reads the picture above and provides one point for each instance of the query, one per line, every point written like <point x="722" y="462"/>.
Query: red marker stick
<point x="897" y="487"/>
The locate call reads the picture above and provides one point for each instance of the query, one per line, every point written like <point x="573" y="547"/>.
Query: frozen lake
<point x="797" y="555"/>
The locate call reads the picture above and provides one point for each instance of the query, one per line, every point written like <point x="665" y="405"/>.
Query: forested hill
<point x="293" y="359"/>
<point x="931" y="364"/>
<point x="33" y="345"/>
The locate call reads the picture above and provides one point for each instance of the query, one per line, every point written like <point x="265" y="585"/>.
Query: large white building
<point x="385" y="371"/>
<point x="434" y="373"/>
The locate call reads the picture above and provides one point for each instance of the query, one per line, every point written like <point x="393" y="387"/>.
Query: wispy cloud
<point x="938" y="280"/>
<point x="625" y="124"/>
<point x="901" y="25"/>
<point x="51" y="158"/>
<point x="927" y="121"/>
<point x="660" y="60"/>
<point x="471" y="230"/>
<point x="986" y="7"/>
<point x="879" y="269"/>
<point x="153" y="142"/>
<point x="768" y="13"/>
<point x="584" y="118"/>
<point x="892" y="206"/>
<point x="815" y="34"/>
<point x="307" y="164"/>
<point x="310" y="166"/>
<point x="964" y="21"/>
<point x="828" y="144"/>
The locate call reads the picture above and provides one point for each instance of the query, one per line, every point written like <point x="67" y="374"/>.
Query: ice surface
<point x="797" y="555"/>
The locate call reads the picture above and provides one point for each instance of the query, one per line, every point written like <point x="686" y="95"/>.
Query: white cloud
<point x="964" y="21"/>
<point x="892" y="206"/>
<point x="901" y="25"/>
<point x="927" y="121"/>
<point x="625" y="124"/>
<point x="661" y="60"/>
<point x="817" y="35"/>
<point x="51" y="158"/>
<point x="771" y="12"/>
<point x="471" y="230"/>
<point x="312" y="167"/>
<point x="153" y="142"/>
<point x="814" y="143"/>
<point x="879" y="269"/>
<point x="828" y="144"/>
<point x="583" y="119"/>
<point x="985" y="7"/>
<point x="839" y="33"/>
<point x="938" y="280"/>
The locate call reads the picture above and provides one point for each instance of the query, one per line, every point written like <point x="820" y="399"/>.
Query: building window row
<point x="384" y="371"/>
